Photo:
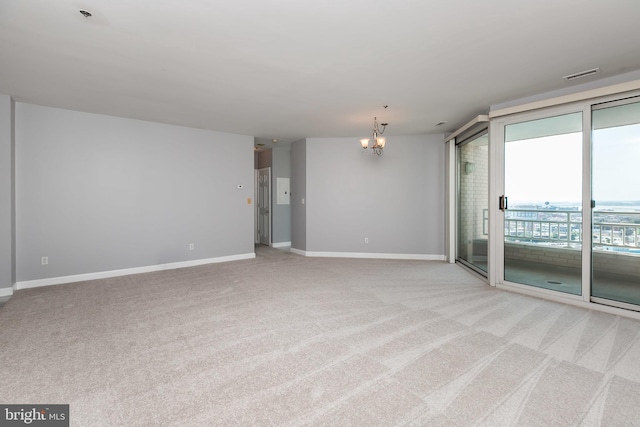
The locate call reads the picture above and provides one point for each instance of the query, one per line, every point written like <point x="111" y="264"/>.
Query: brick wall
<point x="473" y="198"/>
<point x="603" y="261"/>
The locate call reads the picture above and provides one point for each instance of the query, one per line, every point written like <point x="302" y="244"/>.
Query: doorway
<point x="566" y="201"/>
<point x="263" y="207"/>
<point x="542" y="202"/>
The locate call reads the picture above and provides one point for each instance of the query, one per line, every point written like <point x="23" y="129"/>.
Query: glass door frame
<point x="603" y="104"/>
<point x="496" y="189"/>
<point x="467" y="138"/>
<point x="474" y="127"/>
<point x="572" y="102"/>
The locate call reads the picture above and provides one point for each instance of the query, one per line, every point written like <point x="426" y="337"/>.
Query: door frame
<point x="496" y="189"/>
<point x="479" y="131"/>
<point x="496" y="216"/>
<point x="473" y="127"/>
<point x="579" y="100"/>
<point x="257" y="198"/>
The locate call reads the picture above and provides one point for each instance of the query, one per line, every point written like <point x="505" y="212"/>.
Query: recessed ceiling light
<point x="85" y="13"/>
<point x="274" y="140"/>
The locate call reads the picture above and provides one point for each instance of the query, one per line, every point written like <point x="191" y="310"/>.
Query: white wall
<point x="396" y="200"/>
<point x="98" y="193"/>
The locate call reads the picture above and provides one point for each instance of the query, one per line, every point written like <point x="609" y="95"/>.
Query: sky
<point x="550" y="168"/>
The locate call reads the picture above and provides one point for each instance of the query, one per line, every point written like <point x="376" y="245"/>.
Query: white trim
<point x="483" y="118"/>
<point x="538" y="291"/>
<point x="568" y="299"/>
<point x="475" y="271"/>
<point x="280" y="244"/>
<point x="256" y="238"/>
<point x="6" y="292"/>
<point x="125" y="272"/>
<point x="366" y="255"/>
<point x="450" y="197"/>
<point x="612" y="303"/>
<point x="495" y="244"/>
<point x="567" y="99"/>
<point x="587" y="210"/>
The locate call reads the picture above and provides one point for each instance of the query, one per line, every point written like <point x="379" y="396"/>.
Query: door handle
<point x="502" y="203"/>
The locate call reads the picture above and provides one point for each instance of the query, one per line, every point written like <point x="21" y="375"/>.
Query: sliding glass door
<point x="473" y="201"/>
<point x="616" y="195"/>
<point x="542" y="202"/>
<point x="567" y="201"/>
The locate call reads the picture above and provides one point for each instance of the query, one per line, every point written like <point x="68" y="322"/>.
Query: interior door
<point x="264" y="206"/>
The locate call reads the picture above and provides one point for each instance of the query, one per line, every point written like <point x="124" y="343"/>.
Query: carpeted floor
<point x="286" y="340"/>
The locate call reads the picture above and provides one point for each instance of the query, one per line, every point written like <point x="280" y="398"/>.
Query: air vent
<point x="582" y="74"/>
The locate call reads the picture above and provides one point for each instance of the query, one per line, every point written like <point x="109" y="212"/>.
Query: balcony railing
<point x="619" y="230"/>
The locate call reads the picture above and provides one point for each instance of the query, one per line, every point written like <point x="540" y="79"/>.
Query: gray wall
<point x="280" y="214"/>
<point x="298" y="194"/>
<point x="7" y="275"/>
<point x="396" y="200"/>
<point x="97" y="193"/>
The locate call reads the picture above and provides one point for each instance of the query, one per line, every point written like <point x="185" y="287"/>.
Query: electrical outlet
<point x="192" y="246"/>
<point x="44" y="260"/>
<point x="366" y="240"/>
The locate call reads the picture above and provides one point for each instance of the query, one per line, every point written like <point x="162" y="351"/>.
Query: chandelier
<point x="376" y="137"/>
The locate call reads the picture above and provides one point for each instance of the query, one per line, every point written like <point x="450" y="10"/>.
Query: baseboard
<point x="281" y="245"/>
<point x="6" y="292"/>
<point x="419" y="257"/>
<point x="297" y="252"/>
<point x="125" y="272"/>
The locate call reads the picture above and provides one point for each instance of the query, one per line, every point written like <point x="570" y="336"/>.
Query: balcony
<point x="543" y="248"/>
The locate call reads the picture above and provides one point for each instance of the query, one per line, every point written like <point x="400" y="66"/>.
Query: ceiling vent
<point x="582" y="74"/>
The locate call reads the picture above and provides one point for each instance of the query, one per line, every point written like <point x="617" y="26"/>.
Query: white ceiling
<point x="290" y="69"/>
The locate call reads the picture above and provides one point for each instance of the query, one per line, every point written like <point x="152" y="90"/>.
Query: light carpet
<point x="292" y="341"/>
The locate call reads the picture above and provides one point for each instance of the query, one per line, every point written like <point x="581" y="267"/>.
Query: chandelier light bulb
<point x="378" y="141"/>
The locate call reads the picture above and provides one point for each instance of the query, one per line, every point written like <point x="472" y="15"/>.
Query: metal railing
<point x="617" y="229"/>
<point x="564" y="227"/>
<point x="560" y="228"/>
